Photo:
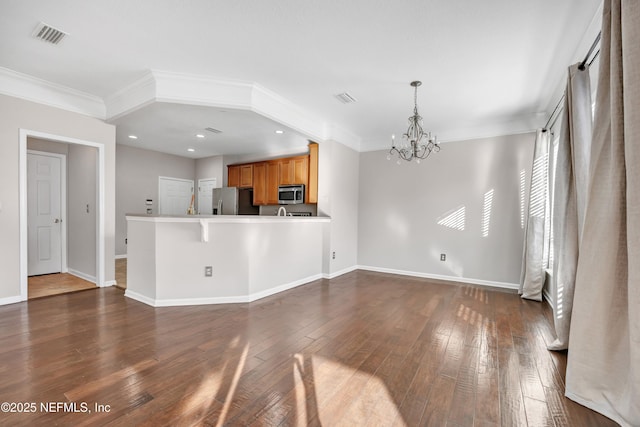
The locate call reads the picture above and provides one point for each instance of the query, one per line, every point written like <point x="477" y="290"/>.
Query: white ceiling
<point x="487" y="67"/>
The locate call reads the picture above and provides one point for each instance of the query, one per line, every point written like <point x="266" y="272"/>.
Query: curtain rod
<point x="591" y="49"/>
<point x="580" y="67"/>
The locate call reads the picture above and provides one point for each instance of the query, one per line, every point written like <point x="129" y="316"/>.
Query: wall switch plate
<point x="443" y="257"/>
<point x="208" y="271"/>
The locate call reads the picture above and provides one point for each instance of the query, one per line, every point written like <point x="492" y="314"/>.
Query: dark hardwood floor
<point x="363" y="349"/>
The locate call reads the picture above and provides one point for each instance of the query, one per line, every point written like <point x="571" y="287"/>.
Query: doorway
<point x="92" y="211"/>
<point x="175" y="195"/>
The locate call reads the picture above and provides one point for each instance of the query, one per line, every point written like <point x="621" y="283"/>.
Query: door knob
<point x="57" y="220"/>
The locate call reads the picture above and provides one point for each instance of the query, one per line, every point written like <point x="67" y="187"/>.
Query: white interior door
<point x="44" y="214"/>
<point x="205" y="195"/>
<point x="175" y="195"/>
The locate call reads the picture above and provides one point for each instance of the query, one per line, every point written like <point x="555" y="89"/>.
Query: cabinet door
<point x="301" y="170"/>
<point x="286" y="171"/>
<point x="273" y="169"/>
<point x="233" y="178"/>
<point x="260" y="184"/>
<point x="246" y="176"/>
<point x="311" y="192"/>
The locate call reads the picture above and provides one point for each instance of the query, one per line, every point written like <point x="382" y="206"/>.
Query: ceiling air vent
<point x="49" y="34"/>
<point x="213" y="130"/>
<point x="345" y="98"/>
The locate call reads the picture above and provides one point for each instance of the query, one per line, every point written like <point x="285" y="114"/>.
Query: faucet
<point x="282" y="210"/>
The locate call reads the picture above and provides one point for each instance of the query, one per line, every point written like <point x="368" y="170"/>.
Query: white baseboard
<point x="11" y="300"/>
<point x="139" y="297"/>
<point x="121" y="256"/>
<point x="83" y="276"/>
<point x="504" y="285"/>
<point x="340" y="272"/>
<point x="109" y="283"/>
<point x="219" y="300"/>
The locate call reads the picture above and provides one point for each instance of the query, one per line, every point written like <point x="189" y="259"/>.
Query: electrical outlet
<point x="208" y="271"/>
<point x="333" y="255"/>
<point x="443" y="257"/>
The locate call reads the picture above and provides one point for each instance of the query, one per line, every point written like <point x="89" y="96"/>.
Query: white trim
<point x="124" y="256"/>
<point x="100" y="217"/>
<point x="31" y="88"/>
<point x="109" y="283"/>
<point x="83" y="276"/>
<point x="226" y="219"/>
<point x="139" y="297"/>
<point x="340" y="272"/>
<point x="11" y="300"/>
<point x="220" y="300"/>
<point x="480" y="282"/>
<point x="63" y="203"/>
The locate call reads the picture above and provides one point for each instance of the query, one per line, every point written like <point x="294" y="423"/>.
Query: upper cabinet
<point x="240" y="176"/>
<point x="294" y="170"/>
<point x="265" y="177"/>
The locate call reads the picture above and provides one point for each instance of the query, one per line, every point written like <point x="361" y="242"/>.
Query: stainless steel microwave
<point x="291" y="194"/>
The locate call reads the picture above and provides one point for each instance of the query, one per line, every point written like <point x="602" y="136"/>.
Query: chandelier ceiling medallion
<point x="416" y="143"/>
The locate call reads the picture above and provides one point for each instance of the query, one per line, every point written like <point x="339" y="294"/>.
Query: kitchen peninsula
<point x="251" y="257"/>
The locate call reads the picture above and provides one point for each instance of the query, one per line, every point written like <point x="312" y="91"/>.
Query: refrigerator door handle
<point x="219" y="206"/>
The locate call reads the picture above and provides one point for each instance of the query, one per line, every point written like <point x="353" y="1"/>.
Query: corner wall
<point x="338" y="186"/>
<point x="16" y="114"/>
<point x="464" y="201"/>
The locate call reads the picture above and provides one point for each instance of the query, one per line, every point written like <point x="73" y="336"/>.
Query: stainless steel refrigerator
<point x="233" y="201"/>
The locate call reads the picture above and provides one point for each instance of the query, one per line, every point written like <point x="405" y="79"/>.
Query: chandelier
<point x="416" y="143"/>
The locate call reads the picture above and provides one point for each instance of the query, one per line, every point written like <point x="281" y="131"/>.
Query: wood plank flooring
<point x="55" y="284"/>
<point x="364" y="349"/>
<point x="121" y="273"/>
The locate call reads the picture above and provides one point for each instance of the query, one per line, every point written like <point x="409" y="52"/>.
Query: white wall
<point x="137" y="173"/>
<point x="338" y="198"/>
<point x="16" y="114"/>
<point x="82" y="166"/>
<point x="400" y="206"/>
<point x="210" y="167"/>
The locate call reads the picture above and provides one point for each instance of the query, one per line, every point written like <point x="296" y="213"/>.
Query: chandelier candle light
<point x="416" y="143"/>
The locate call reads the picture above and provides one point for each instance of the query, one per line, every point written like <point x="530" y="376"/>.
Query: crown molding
<point x="131" y="97"/>
<point x="19" y="85"/>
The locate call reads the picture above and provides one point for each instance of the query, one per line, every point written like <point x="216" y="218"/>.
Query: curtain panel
<point x="533" y="262"/>
<point x="569" y="198"/>
<point x="603" y="363"/>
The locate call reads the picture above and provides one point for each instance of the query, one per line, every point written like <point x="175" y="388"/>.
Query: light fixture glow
<point x="279" y="132"/>
<point x="199" y="135"/>
<point x="416" y="143"/>
<point x="133" y="137"/>
<point x="191" y="150"/>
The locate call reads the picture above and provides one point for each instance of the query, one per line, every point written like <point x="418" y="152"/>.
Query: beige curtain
<point x="603" y="365"/>
<point x="569" y="198"/>
<point x="533" y="262"/>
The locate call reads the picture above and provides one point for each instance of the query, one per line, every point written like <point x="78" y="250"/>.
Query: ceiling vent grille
<point x="49" y="34"/>
<point x="345" y="98"/>
<point x="213" y="130"/>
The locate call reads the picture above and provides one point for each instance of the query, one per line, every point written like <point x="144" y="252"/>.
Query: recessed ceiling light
<point x="133" y="137"/>
<point x="191" y="150"/>
<point x="279" y="132"/>
<point x="199" y="135"/>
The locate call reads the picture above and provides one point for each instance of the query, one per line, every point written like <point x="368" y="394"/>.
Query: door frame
<point x="100" y="217"/>
<point x="63" y="205"/>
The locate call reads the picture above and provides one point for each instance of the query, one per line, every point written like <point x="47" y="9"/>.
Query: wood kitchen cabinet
<point x="265" y="177"/>
<point x="272" y="183"/>
<point x="240" y="176"/>
<point x="294" y="170"/>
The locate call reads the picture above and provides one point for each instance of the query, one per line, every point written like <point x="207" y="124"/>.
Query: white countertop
<point x="250" y="219"/>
